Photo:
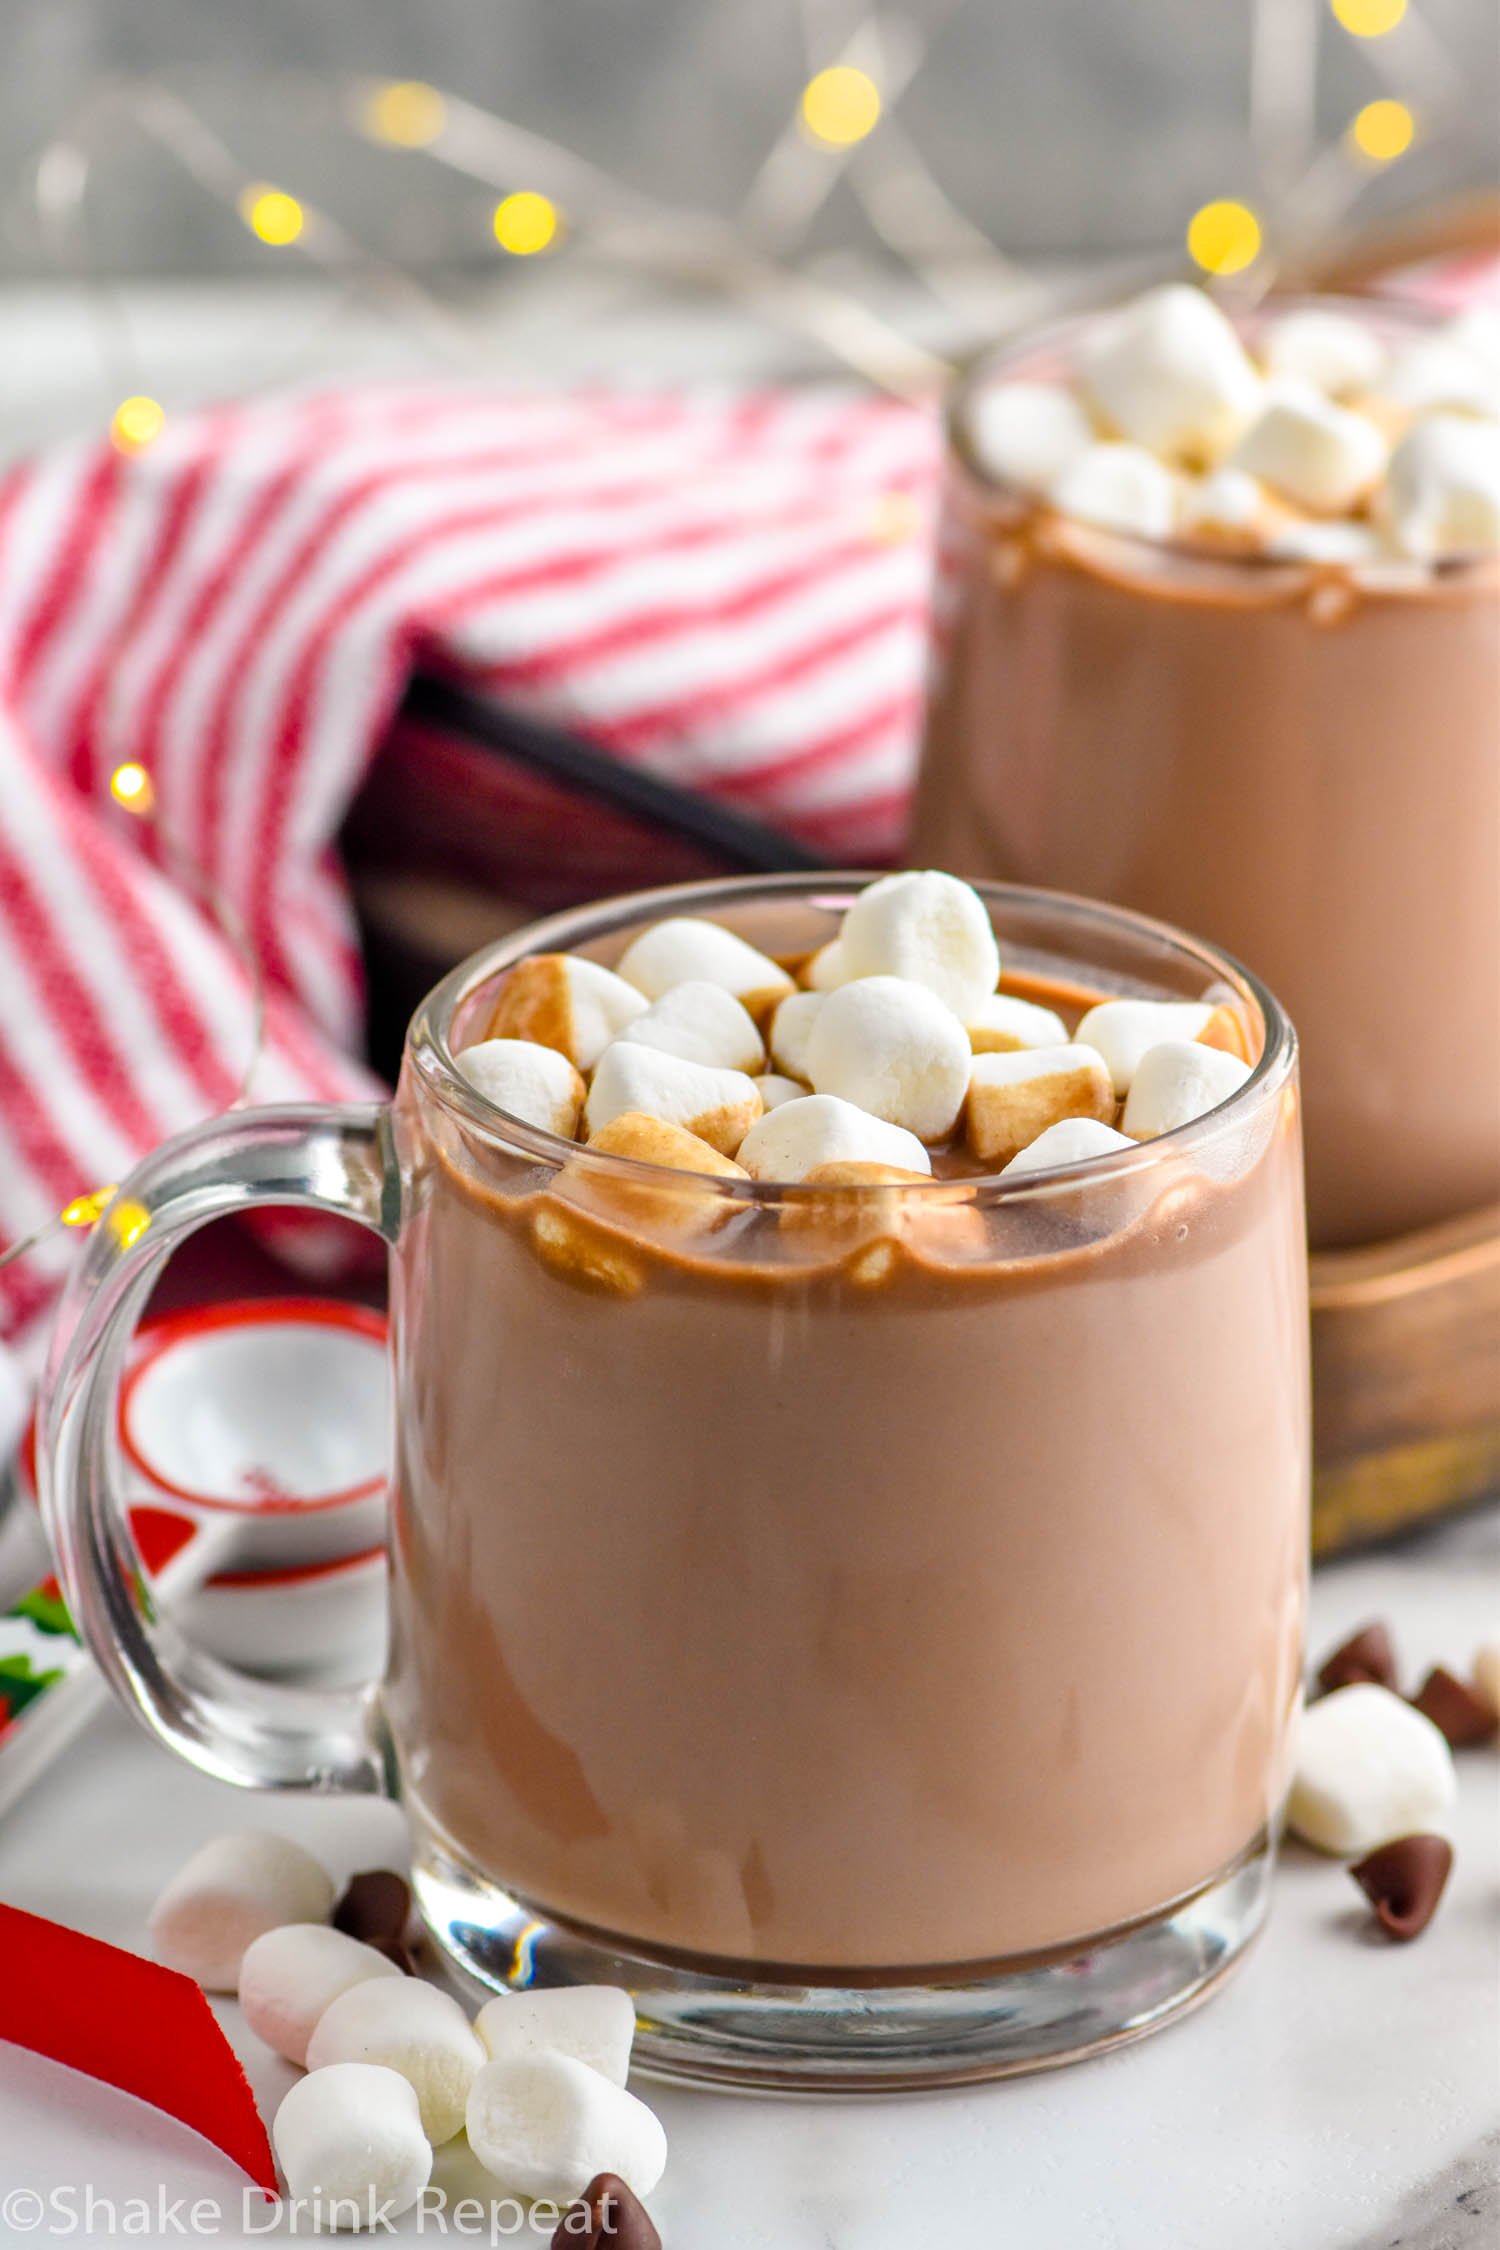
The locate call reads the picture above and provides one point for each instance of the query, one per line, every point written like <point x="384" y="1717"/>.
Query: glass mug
<point x="865" y="1623"/>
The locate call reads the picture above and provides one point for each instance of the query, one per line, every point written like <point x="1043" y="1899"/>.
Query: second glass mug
<point x="864" y="1623"/>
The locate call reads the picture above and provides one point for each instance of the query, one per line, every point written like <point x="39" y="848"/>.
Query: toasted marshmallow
<point x="651" y="1140"/>
<point x="1226" y="1028"/>
<point x="941" y="1222"/>
<point x="1322" y="456"/>
<point x="1176" y="1081"/>
<point x="650" y="1204"/>
<point x="1313" y="540"/>
<point x="892" y="1047"/>
<point x="562" y="1000"/>
<point x="1229" y="503"/>
<point x="580" y="1253"/>
<point x="1027" y="433"/>
<point x="1336" y="354"/>
<point x="594" y="2023"/>
<point x="1369" y="1768"/>
<point x="789" y="1142"/>
<point x="1122" y="1030"/>
<point x="703" y="1024"/>
<point x="1442" y="493"/>
<point x="791" y="1029"/>
<point x="1072" y="1141"/>
<point x="1014" y="1097"/>
<point x="927" y="927"/>
<point x="822" y="970"/>
<point x="1170" y="373"/>
<point x="1120" y="488"/>
<point x="774" y="1089"/>
<point x="1438" y="375"/>
<point x="1002" y="1024"/>
<point x="685" y="950"/>
<point x="411" y="2027"/>
<point x="718" y="1105"/>
<point x="350" y="2144"/>
<point x="544" y="2125"/>
<point x="1487" y="1672"/>
<point x="536" y="1084"/>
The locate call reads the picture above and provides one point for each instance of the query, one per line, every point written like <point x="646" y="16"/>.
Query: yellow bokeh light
<point x="130" y="786"/>
<point x="1368" y="19"/>
<point x="128" y="1222"/>
<point x="525" y="223"/>
<point x="1224" y="237"/>
<point x="272" y="215"/>
<point x="1383" y="131"/>
<point x="405" y="112"/>
<point x="841" y="105"/>
<point x="135" y="423"/>
<point x="85" y="1209"/>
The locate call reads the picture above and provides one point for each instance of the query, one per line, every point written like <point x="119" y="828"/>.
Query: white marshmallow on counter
<point x="795" y="1139"/>
<point x="411" y="2027"/>
<point x="1122" y="1030"/>
<point x="1176" y="1081"/>
<point x="1442" y="491"/>
<point x="1120" y="488"/>
<point x="822" y="970"/>
<point x="703" y="1024"/>
<point x="1486" y="1670"/>
<point x="351" y="2139"/>
<point x="535" y="1084"/>
<point x="1437" y="375"/>
<point x="718" y="1105"/>
<point x="1014" y="1097"/>
<point x="1003" y="1023"/>
<point x="594" y="2023"/>
<point x="1171" y="374"/>
<point x="1322" y="456"/>
<point x="928" y="927"/>
<point x="894" y="1049"/>
<point x="1027" y="433"/>
<point x="1071" y="1141"/>
<point x="231" y="1892"/>
<point x="791" y="1029"/>
<point x="290" y="1975"/>
<point x="774" y="1090"/>
<point x="544" y="2125"/>
<point x="1228" y="500"/>
<point x="686" y="949"/>
<point x="1330" y="350"/>
<point x="566" y="1001"/>
<point x="1368" y="1769"/>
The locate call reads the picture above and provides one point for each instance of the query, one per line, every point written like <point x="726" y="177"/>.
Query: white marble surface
<point x="1339" y="2094"/>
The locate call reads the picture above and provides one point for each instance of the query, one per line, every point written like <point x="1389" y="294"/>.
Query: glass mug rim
<point x="428" y="1049"/>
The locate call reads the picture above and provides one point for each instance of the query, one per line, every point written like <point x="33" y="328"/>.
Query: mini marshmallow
<point x="289" y="1976"/>
<point x="565" y="1001"/>
<point x="536" y="1084"/>
<point x="1442" y="494"/>
<point x="718" y="1105"/>
<point x="1334" y="353"/>
<point x="1368" y="1769"/>
<point x="1176" y="1081"/>
<point x="893" y="1048"/>
<point x="1027" y="433"/>
<point x="1072" y="1141"/>
<point x="702" y="1023"/>
<point x="1170" y="373"/>
<point x="1486" y="1670"/>
<point x="1321" y="456"/>
<point x="1120" y="488"/>
<point x="822" y="970"/>
<point x="410" y="2027"/>
<point x="685" y="949"/>
<point x="1319" y="542"/>
<point x="351" y="2139"/>
<point x="940" y="1222"/>
<point x="1014" y="1097"/>
<point x="1122" y="1030"/>
<point x="795" y="1139"/>
<point x="228" y="1894"/>
<point x="1438" y="375"/>
<point x="791" y="1029"/>
<point x="774" y="1090"/>
<point x="594" y="2023"/>
<point x="1477" y="332"/>
<point x="929" y="928"/>
<point x="650" y="1140"/>
<point x="1229" y="502"/>
<point x="1002" y="1024"/>
<point x="544" y="2125"/>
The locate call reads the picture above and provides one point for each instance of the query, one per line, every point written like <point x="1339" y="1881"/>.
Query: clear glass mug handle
<point x="237" y="1728"/>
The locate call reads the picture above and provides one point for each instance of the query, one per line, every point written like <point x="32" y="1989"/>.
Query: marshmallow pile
<point x="394" y="2067"/>
<point x="699" y="1054"/>
<point x="1326" y="446"/>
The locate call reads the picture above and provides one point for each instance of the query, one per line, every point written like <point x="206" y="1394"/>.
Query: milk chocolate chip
<point x="1455" y="1709"/>
<point x="375" y="1908"/>
<point x="1404" y="1881"/>
<point x="607" y="2216"/>
<point x="1367" y="1656"/>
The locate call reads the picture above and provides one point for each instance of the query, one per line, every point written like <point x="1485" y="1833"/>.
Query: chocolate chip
<point x="607" y="2216"/>
<point x="375" y="1908"/>
<point x="1404" y="1881"/>
<point x="1367" y="1655"/>
<point x="1454" y="1708"/>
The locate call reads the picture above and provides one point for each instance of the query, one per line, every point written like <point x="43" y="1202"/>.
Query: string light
<point x="1224" y="237"/>
<point x="1383" y="130"/>
<point x="840" y="106"/>
<point x="526" y="223"/>
<point x="1368" y="19"/>
<point x="406" y="113"/>
<point x="271" y="214"/>
<point x="135" y="424"/>
<point x="85" y="1209"/>
<point x="130" y="786"/>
